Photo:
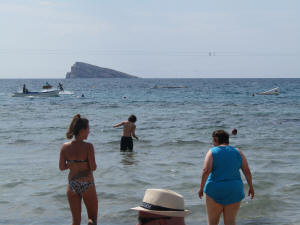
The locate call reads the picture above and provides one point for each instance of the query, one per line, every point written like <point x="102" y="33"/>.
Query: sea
<point x="175" y="120"/>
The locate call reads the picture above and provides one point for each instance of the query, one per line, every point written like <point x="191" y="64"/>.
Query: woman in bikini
<point x="79" y="157"/>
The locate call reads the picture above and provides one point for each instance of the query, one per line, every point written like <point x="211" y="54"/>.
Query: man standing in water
<point x="128" y="132"/>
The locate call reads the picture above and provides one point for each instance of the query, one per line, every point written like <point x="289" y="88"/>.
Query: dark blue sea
<point x="174" y="126"/>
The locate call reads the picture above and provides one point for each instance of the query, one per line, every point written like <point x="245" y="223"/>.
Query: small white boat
<point x="274" y="91"/>
<point x="54" y="93"/>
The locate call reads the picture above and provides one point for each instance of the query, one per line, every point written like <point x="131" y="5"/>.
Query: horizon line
<point x="57" y="78"/>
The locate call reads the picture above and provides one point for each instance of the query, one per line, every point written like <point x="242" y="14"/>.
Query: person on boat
<point x="47" y="85"/>
<point x="161" y="207"/>
<point x="25" y="90"/>
<point x="60" y="86"/>
<point x="128" y="132"/>
<point x="221" y="180"/>
<point x="79" y="157"/>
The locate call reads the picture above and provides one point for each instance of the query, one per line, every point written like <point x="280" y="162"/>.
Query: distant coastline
<point x="85" y="70"/>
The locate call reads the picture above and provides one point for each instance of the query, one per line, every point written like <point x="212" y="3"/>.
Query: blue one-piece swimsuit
<point x="224" y="183"/>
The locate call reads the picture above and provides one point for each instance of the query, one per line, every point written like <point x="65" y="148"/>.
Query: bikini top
<point x="77" y="161"/>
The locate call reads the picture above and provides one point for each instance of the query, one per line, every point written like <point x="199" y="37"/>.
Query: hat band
<point x="149" y="206"/>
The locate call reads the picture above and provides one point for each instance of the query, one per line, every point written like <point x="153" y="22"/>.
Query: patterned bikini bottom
<point x="79" y="186"/>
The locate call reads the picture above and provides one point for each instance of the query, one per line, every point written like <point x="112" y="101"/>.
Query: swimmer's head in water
<point x="132" y="118"/>
<point x="234" y="131"/>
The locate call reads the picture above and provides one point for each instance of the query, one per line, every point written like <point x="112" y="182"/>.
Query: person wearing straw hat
<point x="161" y="207"/>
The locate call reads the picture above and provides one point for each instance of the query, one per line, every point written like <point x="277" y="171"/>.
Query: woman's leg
<point x="91" y="202"/>
<point x="75" y="206"/>
<point x="214" y="211"/>
<point x="230" y="212"/>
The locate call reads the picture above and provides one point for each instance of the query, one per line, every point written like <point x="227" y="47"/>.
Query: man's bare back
<point x="128" y="129"/>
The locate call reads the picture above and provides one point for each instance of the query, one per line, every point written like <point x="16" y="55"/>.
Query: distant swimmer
<point x="124" y="97"/>
<point x="234" y="131"/>
<point x="82" y="96"/>
<point x="128" y="132"/>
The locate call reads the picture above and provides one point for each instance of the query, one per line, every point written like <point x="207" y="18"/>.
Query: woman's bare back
<point x="79" y="158"/>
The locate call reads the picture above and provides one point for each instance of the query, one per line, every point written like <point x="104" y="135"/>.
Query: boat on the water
<point x="274" y="91"/>
<point x="53" y="93"/>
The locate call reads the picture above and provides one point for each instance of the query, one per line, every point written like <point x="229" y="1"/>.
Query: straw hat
<point x="163" y="202"/>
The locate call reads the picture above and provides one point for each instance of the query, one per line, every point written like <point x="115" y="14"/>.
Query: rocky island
<point x="85" y="70"/>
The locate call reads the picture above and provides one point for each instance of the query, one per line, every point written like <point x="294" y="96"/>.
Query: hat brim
<point x="163" y="213"/>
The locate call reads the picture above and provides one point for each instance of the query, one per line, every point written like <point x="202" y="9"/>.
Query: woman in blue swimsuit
<point x="221" y="180"/>
<point x="79" y="157"/>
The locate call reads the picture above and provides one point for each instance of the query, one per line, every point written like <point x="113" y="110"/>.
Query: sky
<point x="151" y="39"/>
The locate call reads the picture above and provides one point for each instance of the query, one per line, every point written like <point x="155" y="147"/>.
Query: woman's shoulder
<point x="66" y="144"/>
<point x="235" y="148"/>
<point x="237" y="151"/>
<point x="71" y="144"/>
<point x="88" y="145"/>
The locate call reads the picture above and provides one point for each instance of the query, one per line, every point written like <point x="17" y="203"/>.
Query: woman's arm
<point x="207" y="167"/>
<point x="62" y="161"/>
<point x="247" y="173"/>
<point x="91" y="158"/>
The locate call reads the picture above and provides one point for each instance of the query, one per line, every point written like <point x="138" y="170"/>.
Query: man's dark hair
<point x="132" y="118"/>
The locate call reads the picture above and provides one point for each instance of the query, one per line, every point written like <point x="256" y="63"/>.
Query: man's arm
<point x="119" y="124"/>
<point x="133" y="133"/>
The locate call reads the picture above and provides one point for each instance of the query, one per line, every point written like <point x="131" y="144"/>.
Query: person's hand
<point x="137" y="138"/>
<point x="251" y="192"/>
<point x="200" y="193"/>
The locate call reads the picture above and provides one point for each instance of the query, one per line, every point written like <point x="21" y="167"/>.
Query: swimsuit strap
<point x="77" y="161"/>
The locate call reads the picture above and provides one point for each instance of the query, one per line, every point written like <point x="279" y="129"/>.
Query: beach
<point x="174" y="127"/>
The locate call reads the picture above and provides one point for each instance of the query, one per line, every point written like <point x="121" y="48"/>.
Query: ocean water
<point x="174" y="126"/>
